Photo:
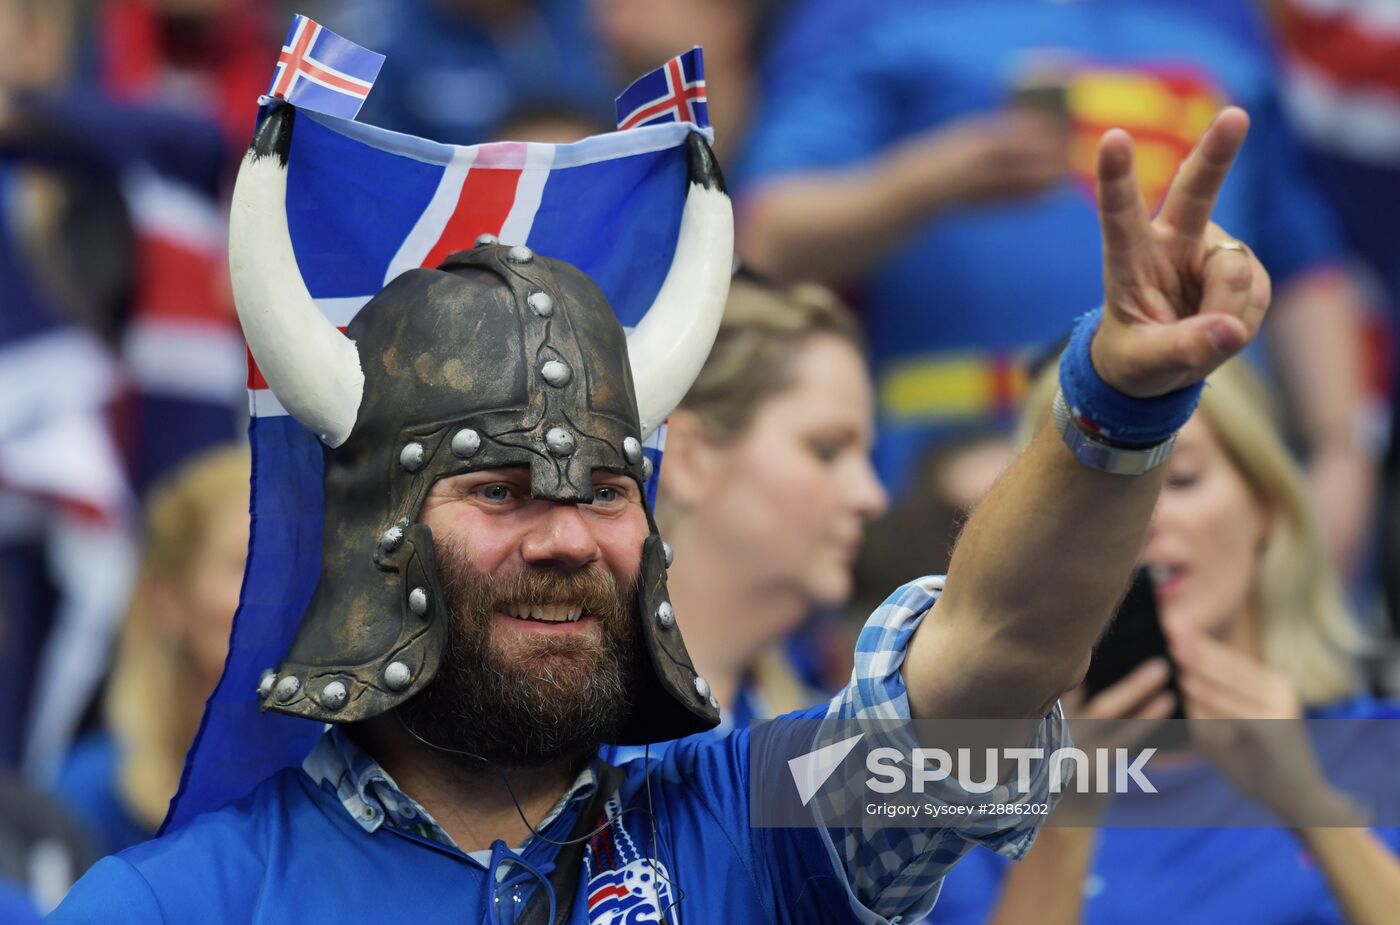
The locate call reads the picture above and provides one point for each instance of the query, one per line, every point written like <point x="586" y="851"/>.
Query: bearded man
<point x="492" y="605"/>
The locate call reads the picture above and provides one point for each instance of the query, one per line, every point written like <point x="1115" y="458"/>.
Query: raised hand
<point x="1181" y="296"/>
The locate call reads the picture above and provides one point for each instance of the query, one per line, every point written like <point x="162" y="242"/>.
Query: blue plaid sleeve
<point x="893" y="874"/>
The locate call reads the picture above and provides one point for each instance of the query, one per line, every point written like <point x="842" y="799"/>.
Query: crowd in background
<point x="927" y="163"/>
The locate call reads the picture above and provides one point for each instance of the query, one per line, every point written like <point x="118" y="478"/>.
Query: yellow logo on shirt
<point x="1165" y="108"/>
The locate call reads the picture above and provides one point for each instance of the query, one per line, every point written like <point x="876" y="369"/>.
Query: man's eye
<point x="606" y="494"/>
<point x="497" y="492"/>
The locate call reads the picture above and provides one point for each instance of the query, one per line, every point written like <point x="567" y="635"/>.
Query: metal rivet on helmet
<point x="287" y="688"/>
<point x="466" y="443"/>
<point x="397" y="676"/>
<point x="334" y="695"/>
<point x="269" y="677"/>
<point x="484" y="239"/>
<point x="391" y="540"/>
<point x="559" y="442"/>
<point x="520" y="254"/>
<point x="418" y="601"/>
<point x="647" y="469"/>
<point x="713" y="702"/>
<point x="557" y="373"/>
<point x="412" y="457"/>
<point x="665" y="615"/>
<point x="702" y="687"/>
<point x="540" y="303"/>
<point x="632" y="449"/>
<point x="667" y="553"/>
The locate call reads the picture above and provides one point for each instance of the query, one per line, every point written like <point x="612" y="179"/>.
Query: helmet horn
<point x="669" y="346"/>
<point x="313" y="369"/>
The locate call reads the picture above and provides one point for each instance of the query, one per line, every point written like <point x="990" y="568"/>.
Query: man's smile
<point x="551" y="619"/>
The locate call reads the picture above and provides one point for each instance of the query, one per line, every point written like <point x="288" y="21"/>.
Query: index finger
<point x="1191" y="197"/>
<point x="1122" y="214"/>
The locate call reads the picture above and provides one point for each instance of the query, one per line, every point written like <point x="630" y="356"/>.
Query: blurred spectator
<point x="119" y="781"/>
<point x="187" y="75"/>
<point x="118" y="331"/>
<point x="949" y="482"/>
<point x="208" y="58"/>
<point x="1341" y="90"/>
<point x="767" y="490"/>
<point x="1258" y="629"/>
<point x="65" y="246"/>
<point x="456" y="68"/>
<point x="940" y="158"/>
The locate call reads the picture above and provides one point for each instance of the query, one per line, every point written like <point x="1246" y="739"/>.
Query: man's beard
<point x="546" y="697"/>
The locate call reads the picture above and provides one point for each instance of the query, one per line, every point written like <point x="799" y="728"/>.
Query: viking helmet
<point x="498" y="357"/>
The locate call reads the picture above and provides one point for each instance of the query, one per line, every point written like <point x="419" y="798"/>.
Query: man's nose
<point x="562" y="538"/>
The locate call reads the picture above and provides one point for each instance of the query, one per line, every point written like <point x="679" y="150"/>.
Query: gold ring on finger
<point x="1227" y="245"/>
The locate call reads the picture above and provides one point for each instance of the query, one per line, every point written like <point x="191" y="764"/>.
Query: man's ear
<point x="692" y="461"/>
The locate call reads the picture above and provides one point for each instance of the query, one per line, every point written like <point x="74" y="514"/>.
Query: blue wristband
<point x="1105" y="412"/>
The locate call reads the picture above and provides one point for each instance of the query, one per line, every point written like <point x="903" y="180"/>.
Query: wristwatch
<point x="1097" y="453"/>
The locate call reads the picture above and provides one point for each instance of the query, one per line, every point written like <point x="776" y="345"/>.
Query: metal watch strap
<point x="1097" y="454"/>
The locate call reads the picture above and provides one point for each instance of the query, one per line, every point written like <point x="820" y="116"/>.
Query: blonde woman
<point x="1258" y="629"/>
<point x="767" y="488"/>
<point x="171" y="652"/>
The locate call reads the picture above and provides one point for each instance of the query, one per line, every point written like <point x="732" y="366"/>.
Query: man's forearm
<point x="1034" y="578"/>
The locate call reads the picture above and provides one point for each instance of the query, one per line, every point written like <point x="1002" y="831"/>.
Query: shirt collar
<point x="372" y="798"/>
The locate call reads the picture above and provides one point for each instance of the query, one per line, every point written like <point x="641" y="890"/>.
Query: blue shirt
<point x="15" y="907"/>
<point x="952" y="310"/>
<point x="336" y="840"/>
<point x="1184" y="876"/>
<point x="87" y="785"/>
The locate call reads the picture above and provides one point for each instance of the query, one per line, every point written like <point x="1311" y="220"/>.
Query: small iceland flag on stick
<point x="319" y="70"/>
<point x="674" y="92"/>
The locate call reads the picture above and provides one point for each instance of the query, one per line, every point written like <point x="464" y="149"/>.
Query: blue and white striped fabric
<point x="893" y="873"/>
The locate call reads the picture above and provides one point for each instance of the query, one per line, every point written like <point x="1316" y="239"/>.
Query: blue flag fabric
<point x="674" y="92"/>
<point x="363" y="205"/>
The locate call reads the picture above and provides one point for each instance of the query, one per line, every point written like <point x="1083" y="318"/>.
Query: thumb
<point x="1173" y="356"/>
